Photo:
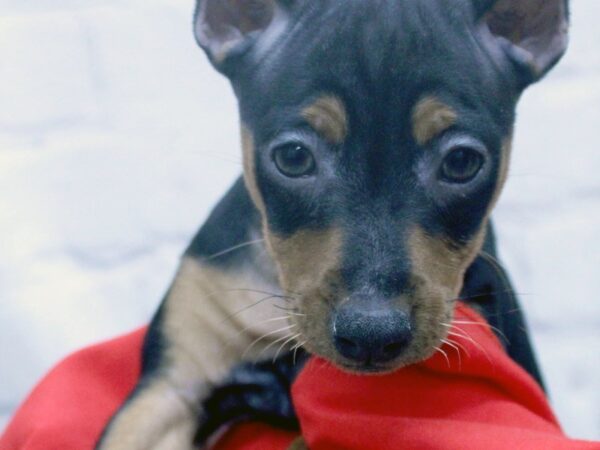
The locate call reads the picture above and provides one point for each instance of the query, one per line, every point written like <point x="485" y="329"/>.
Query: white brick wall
<point x="116" y="137"/>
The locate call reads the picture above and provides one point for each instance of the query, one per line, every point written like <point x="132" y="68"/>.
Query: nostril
<point x="347" y="343"/>
<point x="350" y="349"/>
<point x="391" y="351"/>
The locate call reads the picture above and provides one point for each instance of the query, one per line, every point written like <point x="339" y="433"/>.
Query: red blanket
<point x="471" y="397"/>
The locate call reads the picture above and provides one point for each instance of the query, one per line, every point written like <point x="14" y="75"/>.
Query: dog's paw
<point x="258" y="392"/>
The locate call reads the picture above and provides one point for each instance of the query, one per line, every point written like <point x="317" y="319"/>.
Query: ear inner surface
<point x="220" y="25"/>
<point x="537" y="27"/>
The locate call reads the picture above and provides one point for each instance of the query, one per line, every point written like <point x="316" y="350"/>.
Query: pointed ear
<point x="534" y="33"/>
<point x="227" y="27"/>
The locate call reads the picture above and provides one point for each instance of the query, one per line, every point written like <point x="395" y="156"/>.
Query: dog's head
<point x="376" y="140"/>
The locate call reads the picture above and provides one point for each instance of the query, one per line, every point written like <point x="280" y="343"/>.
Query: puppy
<point x="376" y="137"/>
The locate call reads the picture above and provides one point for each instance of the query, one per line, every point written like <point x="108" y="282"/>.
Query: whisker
<point x="291" y="311"/>
<point x="510" y="311"/>
<point x="275" y="319"/>
<point x="297" y="314"/>
<point x="293" y="294"/>
<point x="477" y="344"/>
<point x="234" y="248"/>
<point x="497" y="330"/>
<point x="451" y="333"/>
<point x="283" y="338"/>
<point x="246" y="308"/>
<point x="295" y="349"/>
<point x="320" y="366"/>
<point x="284" y="344"/>
<point x="264" y="336"/>
<point x="451" y="343"/>
<point x="262" y="322"/>
<point x="252" y="325"/>
<point x="485" y="294"/>
<point x="254" y="291"/>
<point x="439" y="350"/>
<point x="465" y="335"/>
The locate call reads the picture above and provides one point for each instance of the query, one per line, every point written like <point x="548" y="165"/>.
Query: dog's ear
<point x="226" y="29"/>
<point x="533" y="33"/>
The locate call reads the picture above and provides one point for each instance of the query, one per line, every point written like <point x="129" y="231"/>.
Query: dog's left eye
<point x="294" y="160"/>
<point x="461" y="165"/>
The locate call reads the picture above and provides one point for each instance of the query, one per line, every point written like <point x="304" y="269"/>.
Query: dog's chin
<point x="374" y="368"/>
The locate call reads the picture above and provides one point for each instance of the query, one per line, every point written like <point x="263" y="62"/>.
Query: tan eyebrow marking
<point x="327" y="115"/>
<point x="430" y="117"/>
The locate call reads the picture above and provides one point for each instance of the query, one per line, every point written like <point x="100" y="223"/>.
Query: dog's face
<point x="376" y="141"/>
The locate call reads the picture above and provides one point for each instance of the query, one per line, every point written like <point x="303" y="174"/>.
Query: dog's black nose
<point x="371" y="336"/>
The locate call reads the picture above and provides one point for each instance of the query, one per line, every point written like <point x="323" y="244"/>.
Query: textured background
<point x="116" y="138"/>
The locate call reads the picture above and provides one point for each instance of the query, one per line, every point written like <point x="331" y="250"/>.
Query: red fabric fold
<point x="473" y="397"/>
<point x="470" y="395"/>
<point x="71" y="405"/>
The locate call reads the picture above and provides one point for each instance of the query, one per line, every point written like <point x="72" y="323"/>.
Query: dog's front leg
<point x="211" y="319"/>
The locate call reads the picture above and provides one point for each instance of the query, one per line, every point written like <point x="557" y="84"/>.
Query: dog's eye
<point x="461" y="165"/>
<point x="294" y="160"/>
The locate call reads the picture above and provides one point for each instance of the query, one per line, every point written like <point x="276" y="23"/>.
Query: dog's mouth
<point x="424" y="348"/>
<point x="369" y="368"/>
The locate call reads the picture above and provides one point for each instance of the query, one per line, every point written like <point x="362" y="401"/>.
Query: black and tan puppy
<point x="376" y="140"/>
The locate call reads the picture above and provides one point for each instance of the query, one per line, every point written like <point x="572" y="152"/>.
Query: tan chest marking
<point x="211" y="321"/>
<point x="211" y="317"/>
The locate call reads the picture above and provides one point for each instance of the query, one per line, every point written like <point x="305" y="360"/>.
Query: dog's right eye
<point x="294" y="160"/>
